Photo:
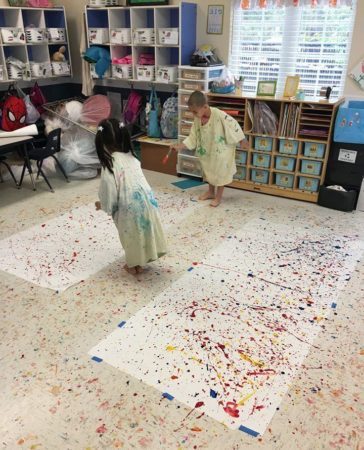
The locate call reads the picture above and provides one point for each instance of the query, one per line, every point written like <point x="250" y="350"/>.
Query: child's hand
<point x="244" y="144"/>
<point x="97" y="206"/>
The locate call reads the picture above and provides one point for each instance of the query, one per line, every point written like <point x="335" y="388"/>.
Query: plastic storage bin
<point x="284" y="180"/>
<point x="12" y="35"/>
<point x="36" y="35"/>
<point x="168" y="36"/>
<point x="240" y="173"/>
<point x="339" y="200"/>
<point x="308" y="184"/>
<point x="189" y="166"/>
<point x="14" y="73"/>
<point x="260" y="176"/>
<point x="186" y="128"/>
<point x="122" y="71"/>
<point x="61" y="68"/>
<point x="186" y="114"/>
<point x="199" y="73"/>
<point x="145" y="73"/>
<point x="263" y="143"/>
<point x="98" y="35"/>
<point x="183" y="98"/>
<point x="314" y="149"/>
<point x="143" y="36"/>
<point x="311" y="167"/>
<point x="261" y="160"/>
<point x="167" y="74"/>
<point x="285" y="163"/>
<point x="2" y="75"/>
<point x="56" y="34"/>
<point x="241" y="157"/>
<point x="288" y="147"/>
<point x="39" y="70"/>
<point x="194" y="85"/>
<point x="120" y="36"/>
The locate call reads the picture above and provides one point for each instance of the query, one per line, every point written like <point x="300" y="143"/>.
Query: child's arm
<point x="108" y="194"/>
<point x="244" y="144"/>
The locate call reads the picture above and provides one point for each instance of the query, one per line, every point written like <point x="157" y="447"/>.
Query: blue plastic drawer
<point x="263" y="143"/>
<point x="260" y="176"/>
<point x="284" y="180"/>
<point x="240" y="173"/>
<point x="261" y="160"/>
<point x="314" y="149"/>
<point x="288" y="147"/>
<point x="311" y="167"/>
<point x="309" y="184"/>
<point x="285" y="163"/>
<point x="240" y="157"/>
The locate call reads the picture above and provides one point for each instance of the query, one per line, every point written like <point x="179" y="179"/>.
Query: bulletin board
<point x="215" y="19"/>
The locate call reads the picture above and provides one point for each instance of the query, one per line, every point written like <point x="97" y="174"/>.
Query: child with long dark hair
<point x="126" y="195"/>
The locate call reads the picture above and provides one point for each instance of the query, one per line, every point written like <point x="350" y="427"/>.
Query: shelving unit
<point x="32" y="35"/>
<point x="168" y="33"/>
<point x="191" y="78"/>
<point x="290" y="162"/>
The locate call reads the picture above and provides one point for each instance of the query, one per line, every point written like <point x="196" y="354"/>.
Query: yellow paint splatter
<point x="245" y="399"/>
<point x="361" y="352"/>
<point x="252" y="361"/>
<point x="170" y="348"/>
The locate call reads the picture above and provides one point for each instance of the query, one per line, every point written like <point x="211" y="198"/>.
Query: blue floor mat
<point x="186" y="184"/>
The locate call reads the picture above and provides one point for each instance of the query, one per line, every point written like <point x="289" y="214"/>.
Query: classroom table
<point x="7" y="145"/>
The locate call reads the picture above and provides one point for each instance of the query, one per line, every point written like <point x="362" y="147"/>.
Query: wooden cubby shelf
<point x="292" y="160"/>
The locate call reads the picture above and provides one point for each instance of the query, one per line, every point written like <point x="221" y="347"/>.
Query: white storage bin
<point x="167" y="74"/>
<point x="192" y="85"/>
<point x="2" y="74"/>
<point x="143" y="36"/>
<point x="101" y="3"/>
<point x="120" y="36"/>
<point x="122" y="71"/>
<point x="145" y="73"/>
<point x="168" y="36"/>
<point x="98" y="35"/>
<point x="56" y="34"/>
<point x="61" y="68"/>
<point x="13" y="35"/>
<point x="39" y="70"/>
<point x="183" y="98"/>
<point x="14" y="73"/>
<point x="189" y="165"/>
<point x="35" y="35"/>
<point x="94" y="74"/>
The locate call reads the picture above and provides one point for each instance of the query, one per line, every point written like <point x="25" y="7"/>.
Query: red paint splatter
<point x="199" y="404"/>
<point x="43" y="225"/>
<point x="102" y="429"/>
<point x="262" y="372"/>
<point x="231" y="409"/>
<point x="174" y="377"/>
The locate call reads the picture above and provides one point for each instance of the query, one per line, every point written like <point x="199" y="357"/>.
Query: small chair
<point x="39" y="154"/>
<point x="3" y="161"/>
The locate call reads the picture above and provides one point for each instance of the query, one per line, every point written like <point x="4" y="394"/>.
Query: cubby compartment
<point x="288" y="147"/>
<point x="240" y="173"/>
<point x="17" y="62"/>
<point x="241" y="157"/>
<point x="98" y="26"/>
<point x="309" y="184"/>
<point x="283" y="180"/>
<point x="261" y="160"/>
<point x="314" y="149"/>
<point x="262" y="127"/>
<point x="142" y="20"/>
<point x="12" y="26"/>
<point x="120" y="27"/>
<point x="144" y="62"/>
<point x="34" y="25"/>
<point x="167" y="26"/>
<point x="167" y="64"/>
<point x="311" y="167"/>
<point x="59" y="68"/>
<point x="122" y="67"/>
<point x="56" y="26"/>
<point x="259" y="176"/>
<point x="285" y="163"/>
<point x="40" y="65"/>
<point x="264" y="144"/>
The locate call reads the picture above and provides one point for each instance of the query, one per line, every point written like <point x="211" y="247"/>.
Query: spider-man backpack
<point x="13" y="111"/>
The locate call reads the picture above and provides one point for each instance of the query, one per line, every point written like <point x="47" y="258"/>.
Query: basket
<point x="168" y="36"/>
<point x="120" y="36"/>
<point x="14" y="73"/>
<point x="122" y="71"/>
<point x="145" y="73"/>
<point x="40" y="69"/>
<point x="94" y="74"/>
<point x="98" y="35"/>
<point x="13" y="35"/>
<point x="56" y="34"/>
<point x="35" y="35"/>
<point x="2" y="74"/>
<point x="143" y="36"/>
<point x="61" y="68"/>
<point x="167" y="74"/>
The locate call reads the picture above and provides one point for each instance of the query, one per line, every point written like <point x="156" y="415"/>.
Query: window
<point x="314" y="43"/>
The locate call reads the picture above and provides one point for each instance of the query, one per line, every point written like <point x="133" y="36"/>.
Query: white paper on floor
<point x="70" y="248"/>
<point x="227" y="338"/>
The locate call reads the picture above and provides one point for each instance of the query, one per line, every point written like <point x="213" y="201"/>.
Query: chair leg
<point x="10" y="171"/>
<point x="46" y="179"/>
<point x="61" y="168"/>
<point x="39" y="165"/>
<point x="22" y="175"/>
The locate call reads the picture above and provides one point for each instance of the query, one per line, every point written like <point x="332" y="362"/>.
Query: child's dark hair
<point x="197" y="99"/>
<point x="112" y="136"/>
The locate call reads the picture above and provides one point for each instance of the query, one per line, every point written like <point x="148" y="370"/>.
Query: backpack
<point x="153" y="115"/>
<point x="13" y="111"/>
<point x="169" y="119"/>
<point x="133" y="107"/>
<point x="37" y="97"/>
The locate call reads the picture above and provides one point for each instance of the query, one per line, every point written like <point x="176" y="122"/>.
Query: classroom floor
<point x="54" y="397"/>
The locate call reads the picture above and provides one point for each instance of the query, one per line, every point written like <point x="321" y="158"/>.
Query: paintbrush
<point x="165" y="159"/>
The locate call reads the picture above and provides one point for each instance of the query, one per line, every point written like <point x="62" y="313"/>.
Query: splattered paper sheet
<point x="70" y="248"/>
<point x="227" y="338"/>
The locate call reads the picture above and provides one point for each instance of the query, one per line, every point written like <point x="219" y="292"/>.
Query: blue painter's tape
<point x="167" y="396"/>
<point x="333" y="305"/>
<point x="248" y="431"/>
<point x="190" y="269"/>
<point x="96" y="359"/>
<point x="213" y="393"/>
<point x="121" y="324"/>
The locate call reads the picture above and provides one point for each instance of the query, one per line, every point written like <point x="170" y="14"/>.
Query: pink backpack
<point x="133" y="107"/>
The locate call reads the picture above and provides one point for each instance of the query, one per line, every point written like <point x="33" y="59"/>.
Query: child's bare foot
<point x="207" y="196"/>
<point x="139" y="269"/>
<point x="131" y="270"/>
<point x="215" y="202"/>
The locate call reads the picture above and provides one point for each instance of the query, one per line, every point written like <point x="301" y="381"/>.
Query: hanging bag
<point x="37" y="97"/>
<point x="169" y="119"/>
<point x="32" y="112"/>
<point x="13" y="110"/>
<point x="153" y="116"/>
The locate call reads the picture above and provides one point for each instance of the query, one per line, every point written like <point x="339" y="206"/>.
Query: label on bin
<point x="347" y="155"/>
